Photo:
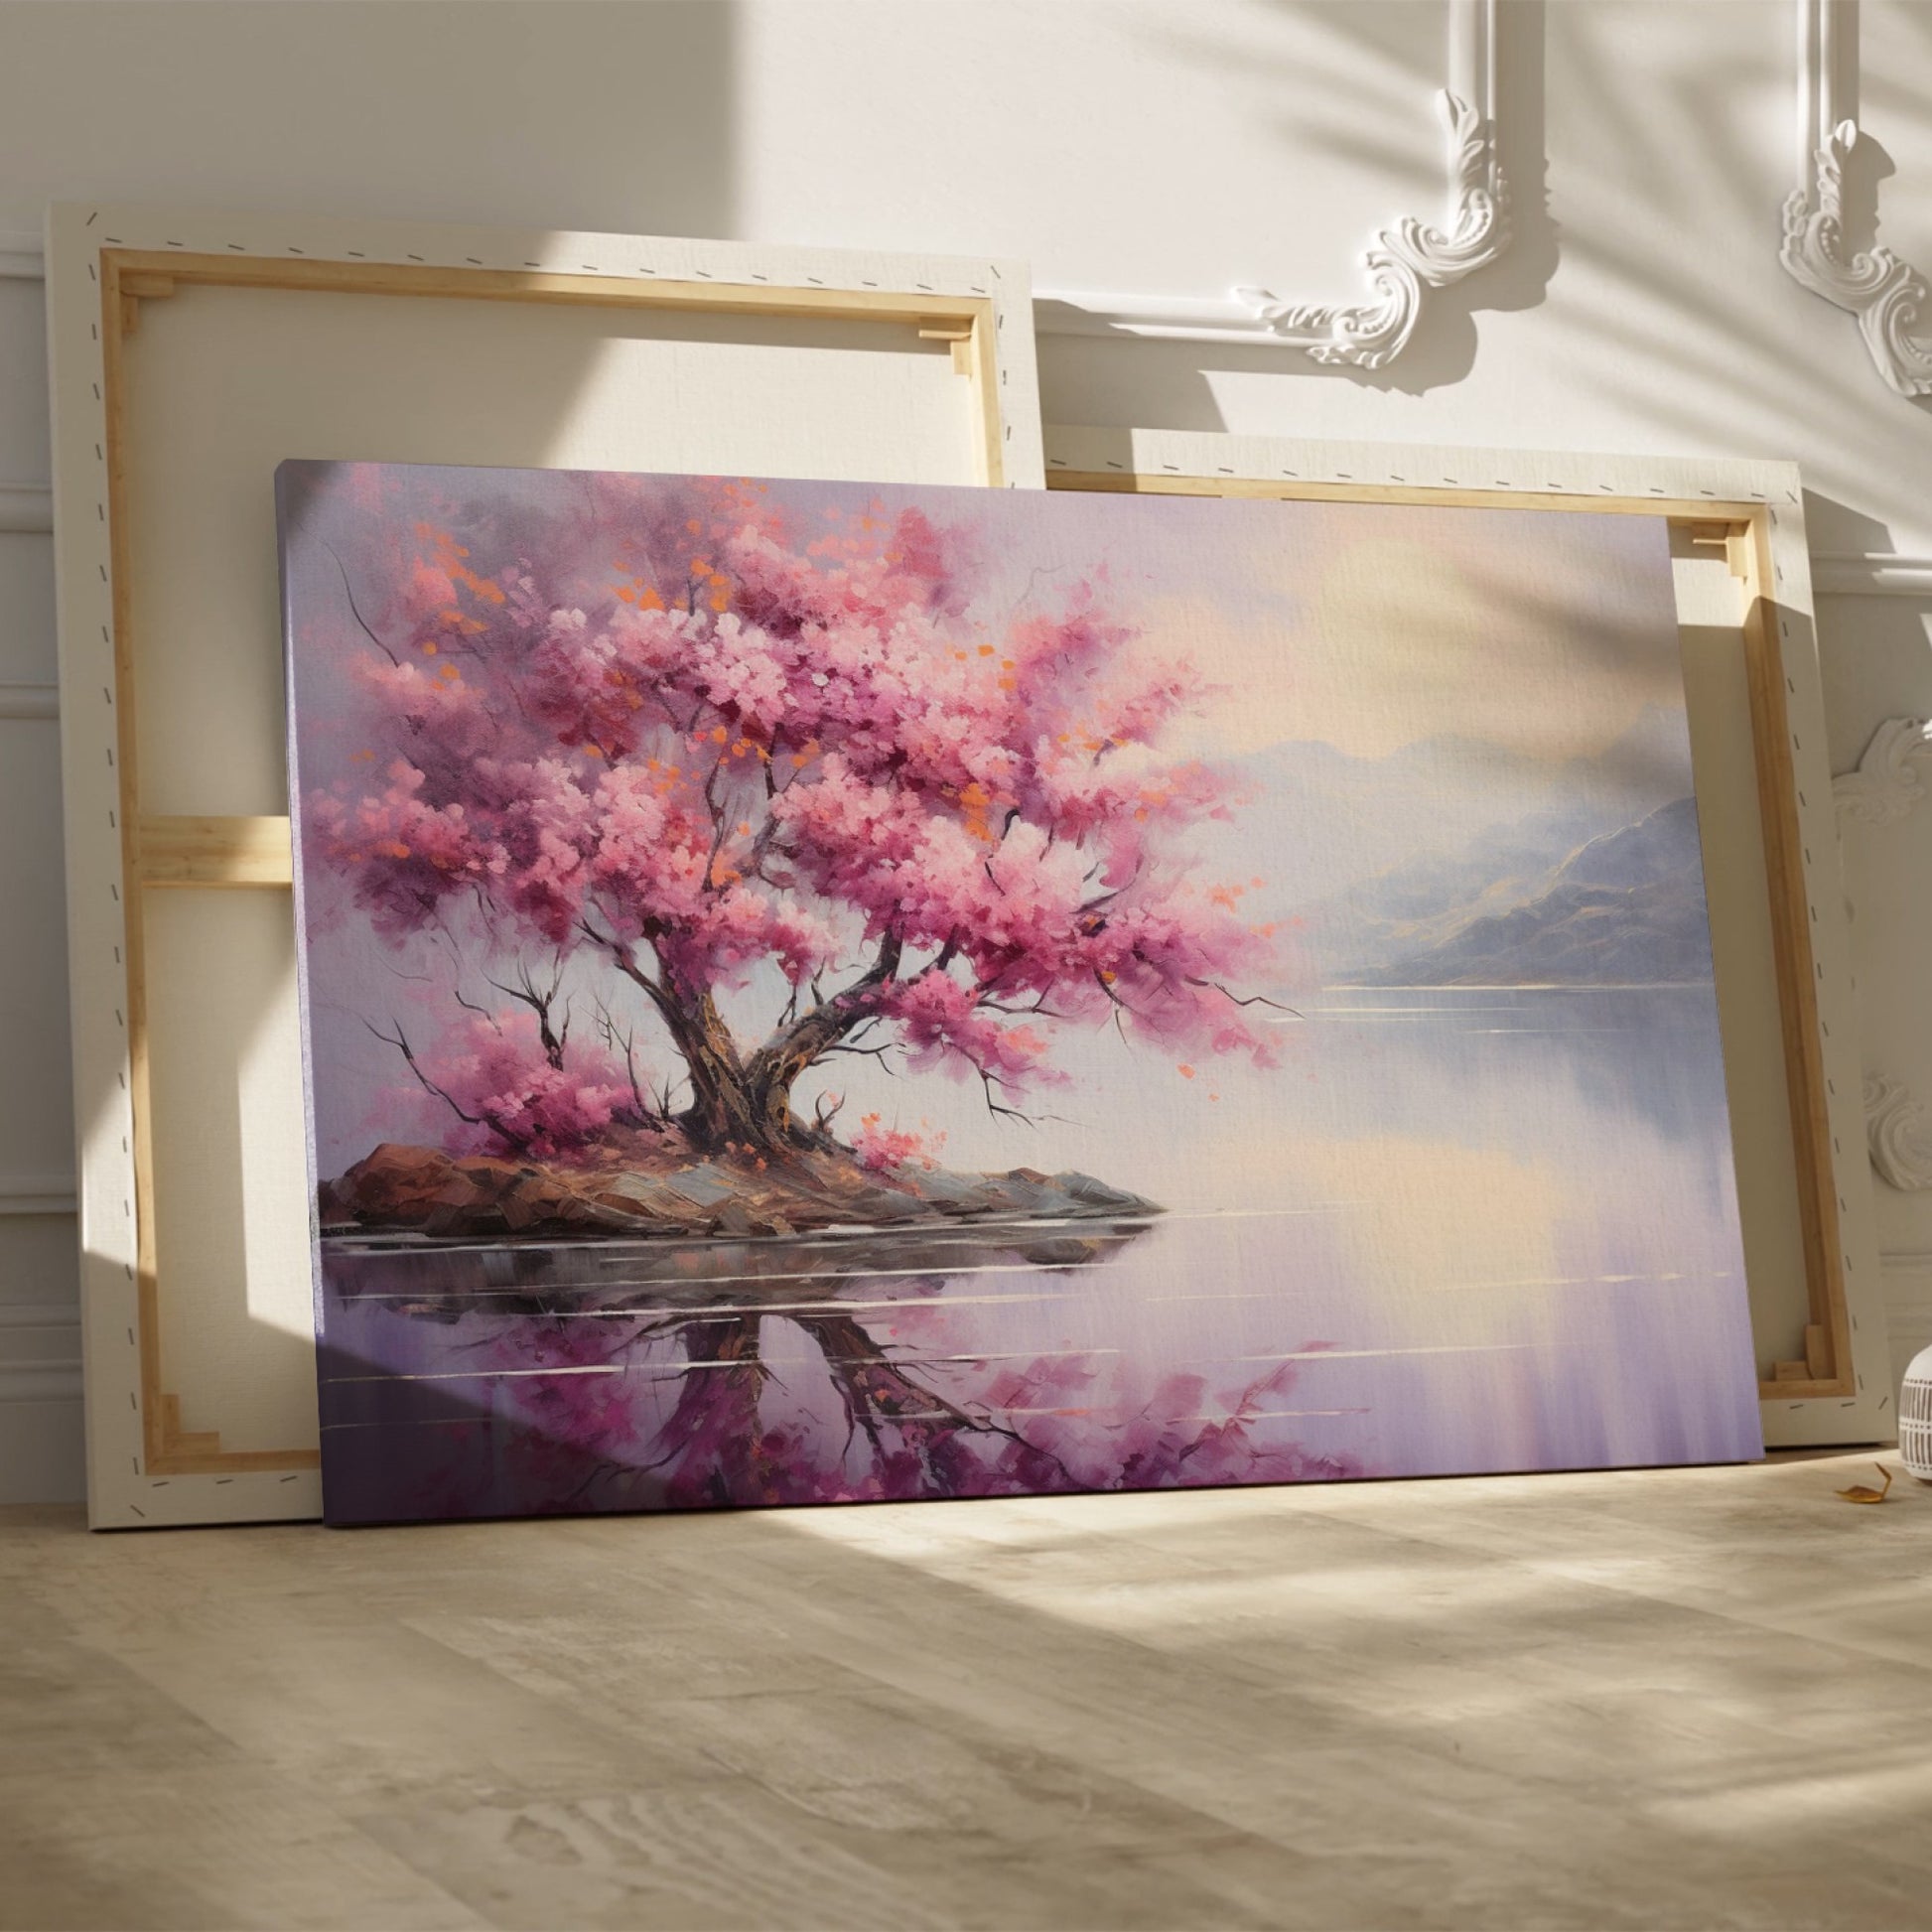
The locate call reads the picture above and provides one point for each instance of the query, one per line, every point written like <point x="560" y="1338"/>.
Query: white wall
<point x="1176" y="146"/>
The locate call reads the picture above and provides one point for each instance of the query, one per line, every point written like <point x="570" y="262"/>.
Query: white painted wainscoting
<point x="40" y="1309"/>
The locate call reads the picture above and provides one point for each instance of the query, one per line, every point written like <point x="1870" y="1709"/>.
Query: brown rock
<point x="397" y="1186"/>
<point x="392" y="1187"/>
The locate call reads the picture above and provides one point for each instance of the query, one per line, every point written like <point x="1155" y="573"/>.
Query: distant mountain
<point x="1626" y="907"/>
<point x="1418" y="905"/>
<point x="1324" y="824"/>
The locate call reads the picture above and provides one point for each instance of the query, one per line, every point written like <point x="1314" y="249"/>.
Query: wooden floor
<point x="1688" y="1699"/>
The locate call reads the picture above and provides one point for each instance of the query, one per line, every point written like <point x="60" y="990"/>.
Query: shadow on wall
<point x="610" y="118"/>
<point x="1708" y="338"/>
<point x="1348" y="117"/>
<point x="1690" y="327"/>
<point x="1443" y="348"/>
<point x="613" y="118"/>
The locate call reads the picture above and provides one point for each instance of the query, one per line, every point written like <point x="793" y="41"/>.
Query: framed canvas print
<point x="191" y="351"/>
<point x="818" y="991"/>
<point x="1754" y="706"/>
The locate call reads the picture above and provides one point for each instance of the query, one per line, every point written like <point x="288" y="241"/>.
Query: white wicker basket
<point x="1915" y="1417"/>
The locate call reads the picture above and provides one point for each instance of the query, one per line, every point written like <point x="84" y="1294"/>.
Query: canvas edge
<point x="1866" y="1415"/>
<point x="83" y="606"/>
<point x="1870" y="1410"/>
<point x="298" y="885"/>
<point x="121" y="1494"/>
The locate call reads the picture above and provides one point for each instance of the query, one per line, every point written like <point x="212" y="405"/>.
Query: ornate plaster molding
<point x="42" y="701"/>
<point x="1886" y="294"/>
<point x="37" y="1193"/>
<point x="25" y="507"/>
<point x="1887" y="785"/>
<point x="1406" y="262"/>
<point x="20" y="259"/>
<point x="1898" y="1131"/>
<point x="1870" y="573"/>
<point x="39" y="1352"/>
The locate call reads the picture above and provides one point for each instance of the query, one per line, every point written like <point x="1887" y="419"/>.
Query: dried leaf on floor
<point x="1861" y="1493"/>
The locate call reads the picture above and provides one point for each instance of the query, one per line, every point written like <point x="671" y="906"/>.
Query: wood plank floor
<point x="1678" y="1698"/>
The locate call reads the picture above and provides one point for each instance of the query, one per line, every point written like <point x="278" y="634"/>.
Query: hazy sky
<point x="1369" y="626"/>
<point x="1364" y="625"/>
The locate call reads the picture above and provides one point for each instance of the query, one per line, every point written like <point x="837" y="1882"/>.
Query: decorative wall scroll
<point x="1888" y="783"/>
<point x="1406" y="262"/>
<point x="1899" y="1131"/>
<point x="1886" y="294"/>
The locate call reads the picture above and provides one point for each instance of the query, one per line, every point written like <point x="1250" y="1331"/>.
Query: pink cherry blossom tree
<point x="674" y="736"/>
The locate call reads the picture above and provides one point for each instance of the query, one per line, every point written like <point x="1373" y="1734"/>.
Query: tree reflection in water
<point x="678" y="1391"/>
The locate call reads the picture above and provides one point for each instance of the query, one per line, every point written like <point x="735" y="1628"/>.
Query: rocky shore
<point x="422" y="1191"/>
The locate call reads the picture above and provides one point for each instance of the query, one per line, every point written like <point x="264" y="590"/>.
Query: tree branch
<point x="860" y="1053"/>
<point x="719" y="820"/>
<point x="789" y="1053"/>
<point x="1253" y="999"/>
<point x="468" y="1006"/>
<point x="626" y="1043"/>
<point x="997" y="1108"/>
<point x="355" y="612"/>
<point x="493" y="1122"/>
<point x="626" y="962"/>
<point x="540" y="1000"/>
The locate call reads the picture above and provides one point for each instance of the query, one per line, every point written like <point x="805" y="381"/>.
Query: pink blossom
<point x="507" y="1097"/>
<point x="675" y="732"/>
<point x="884" y="1148"/>
<point x="944" y="1024"/>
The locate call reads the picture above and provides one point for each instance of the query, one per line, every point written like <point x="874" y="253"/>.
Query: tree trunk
<point x="773" y="1069"/>
<point x="747" y="1103"/>
<point x="723" y="1110"/>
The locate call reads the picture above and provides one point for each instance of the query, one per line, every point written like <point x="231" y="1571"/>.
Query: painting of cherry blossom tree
<point x="819" y="993"/>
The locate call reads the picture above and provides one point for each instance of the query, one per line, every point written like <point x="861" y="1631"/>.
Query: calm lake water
<point x="1499" y="1233"/>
